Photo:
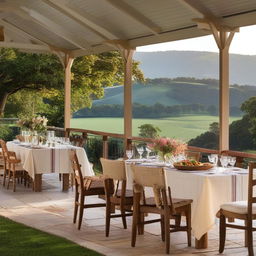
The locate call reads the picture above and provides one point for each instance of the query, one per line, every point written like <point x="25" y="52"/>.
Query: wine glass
<point x="129" y="153"/>
<point x="231" y="161"/>
<point x="224" y="161"/>
<point x="140" y="151"/>
<point x="213" y="158"/>
<point x="148" y="150"/>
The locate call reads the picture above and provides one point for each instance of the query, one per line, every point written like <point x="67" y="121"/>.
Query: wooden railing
<point x="128" y="142"/>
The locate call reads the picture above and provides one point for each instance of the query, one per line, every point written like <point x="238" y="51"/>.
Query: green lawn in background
<point x="19" y="240"/>
<point x="184" y="127"/>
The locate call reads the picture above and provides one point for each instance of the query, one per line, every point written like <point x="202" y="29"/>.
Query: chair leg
<point x="188" y="221"/>
<point x="177" y="220"/>
<point x="14" y="181"/>
<point x="222" y="229"/>
<point x="5" y="173"/>
<point x="141" y="223"/>
<point x="108" y="214"/>
<point x="162" y="228"/>
<point x="249" y="238"/>
<point x="167" y="231"/>
<point x="81" y="211"/>
<point x="9" y="179"/>
<point x="135" y="217"/>
<point x="76" y="206"/>
<point x="123" y="216"/>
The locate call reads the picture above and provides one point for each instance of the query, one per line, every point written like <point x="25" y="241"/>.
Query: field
<point x="185" y="127"/>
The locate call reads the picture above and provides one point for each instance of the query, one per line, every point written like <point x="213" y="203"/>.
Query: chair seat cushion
<point x="239" y="207"/>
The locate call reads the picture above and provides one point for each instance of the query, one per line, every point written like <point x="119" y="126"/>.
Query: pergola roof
<point x="81" y="27"/>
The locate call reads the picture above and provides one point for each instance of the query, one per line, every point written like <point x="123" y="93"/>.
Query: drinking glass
<point x="140" y="151"/>
<point x="148" y="150"/>
<point x="231" y="161"/>
<point x="224" y="161"/>
<point x="213" y="158"/>
<point x="129" y="154"/>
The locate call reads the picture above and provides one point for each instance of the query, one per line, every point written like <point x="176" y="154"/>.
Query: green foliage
<point x="6" y="132"/>
<point x="36" y="82"/>
<point x="149" y="131"/>
<point x="19" y="240"/>
<point x="142" y="111"/>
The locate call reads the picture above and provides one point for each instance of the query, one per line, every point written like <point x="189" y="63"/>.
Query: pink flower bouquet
<point x="167" y="146"/>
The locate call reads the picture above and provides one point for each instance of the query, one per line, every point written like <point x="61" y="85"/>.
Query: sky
<point x="243" y="42"/>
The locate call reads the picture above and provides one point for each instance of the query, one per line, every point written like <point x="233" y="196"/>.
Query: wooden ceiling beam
<point x="84" y="20"/>
<point x="135" y="15"/>
<point x="56" y="28"/>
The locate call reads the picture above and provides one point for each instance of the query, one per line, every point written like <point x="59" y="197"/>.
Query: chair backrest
<point x="149" y="176"/>
<point x="193" y="155"/>
<point x="251" y="184"/>
<point x="154" y="178"/>
<point x="77" y="140"/>
<point x="76" y="167"/>
<point x="4" y="151"/>
<point x="113" y="169"/>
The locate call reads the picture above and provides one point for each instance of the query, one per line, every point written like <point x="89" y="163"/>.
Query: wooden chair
<point x="193" y="155"/>
<point x="162" y="204"/>
<point x="243" y="210"/>
<point x="84" y="186"/>
<point x="114" y="174"/>
<point x="77" y="140"/>
<point x="12" y="167"/>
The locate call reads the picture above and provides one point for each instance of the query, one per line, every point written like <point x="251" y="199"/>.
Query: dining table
<point x="207" y="188"/>
<point x="42" y="159"/>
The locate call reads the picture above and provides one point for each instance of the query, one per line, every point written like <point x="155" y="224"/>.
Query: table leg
<point x="65" y="181"/>
<point x="202" y="243"/>
<point x="38" y="183"/>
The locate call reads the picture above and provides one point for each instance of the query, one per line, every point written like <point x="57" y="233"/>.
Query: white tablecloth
<point x="208" y="190"/>
<point x="49" y="160"/>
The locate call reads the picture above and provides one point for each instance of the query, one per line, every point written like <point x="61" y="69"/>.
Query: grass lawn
<point x="19" y="240"/>
<point x="183" y="127"/>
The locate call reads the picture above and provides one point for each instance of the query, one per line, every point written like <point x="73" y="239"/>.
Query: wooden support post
<point x="223" y="40"/>
<point x="127" y="56"/>
<point x="105" y="146"/>
<point x="67" y="108"/>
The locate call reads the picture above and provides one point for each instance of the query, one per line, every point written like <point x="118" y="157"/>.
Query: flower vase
<point x="164" y="157"/>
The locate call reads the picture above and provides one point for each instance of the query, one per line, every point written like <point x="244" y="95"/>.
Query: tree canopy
<point x="23" y="73"/>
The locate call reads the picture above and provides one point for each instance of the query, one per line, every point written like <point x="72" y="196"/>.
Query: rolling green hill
<point x="177" y="91"/>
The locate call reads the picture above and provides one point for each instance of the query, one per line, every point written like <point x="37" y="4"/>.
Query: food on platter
<point x="192" y="165"/>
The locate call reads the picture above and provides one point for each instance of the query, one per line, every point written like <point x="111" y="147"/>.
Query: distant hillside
<point x="170" y="92"/>
<point x="173" y="64"/>
<point x="178" y="91"/>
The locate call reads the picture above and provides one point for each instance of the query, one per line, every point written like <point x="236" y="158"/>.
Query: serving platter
<point x="203" y="167"/>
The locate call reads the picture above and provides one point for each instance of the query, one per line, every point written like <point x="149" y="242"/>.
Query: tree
<point x="149" y="131"/>
<point x="27" y="71"/>
<point x="38" y="72"/>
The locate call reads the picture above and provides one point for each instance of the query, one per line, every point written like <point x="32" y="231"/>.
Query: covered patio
<point x="71" y="29"/>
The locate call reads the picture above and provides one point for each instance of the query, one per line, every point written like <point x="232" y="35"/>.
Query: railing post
<point x="105" y="146"/>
